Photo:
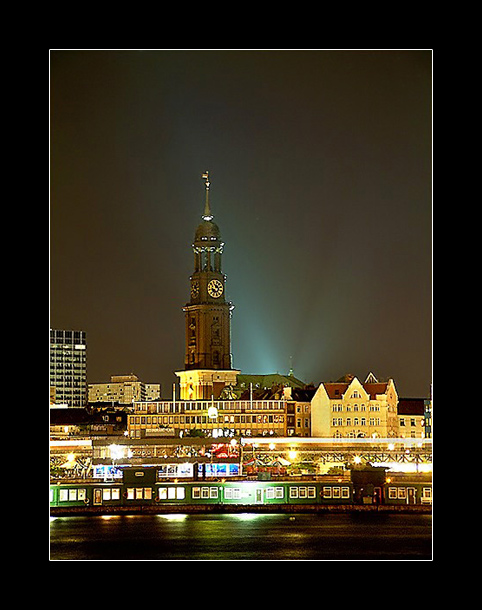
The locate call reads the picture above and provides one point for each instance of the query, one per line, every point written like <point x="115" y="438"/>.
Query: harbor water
<point x="244" y="536"/>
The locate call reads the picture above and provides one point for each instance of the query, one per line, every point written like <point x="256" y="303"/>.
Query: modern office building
<point x="68" y="367"/>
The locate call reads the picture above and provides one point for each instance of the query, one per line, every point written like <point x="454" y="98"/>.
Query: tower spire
<point x="208" y="215"/>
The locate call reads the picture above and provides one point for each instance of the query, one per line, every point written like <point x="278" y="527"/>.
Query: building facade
<point x="68" y="367"/>
<point x="209" y="418"/>
<point x="412" y="418"/>
<point x="124" y="390"/>
<point x="208" y="360"/>
<point x="351" y="409"/>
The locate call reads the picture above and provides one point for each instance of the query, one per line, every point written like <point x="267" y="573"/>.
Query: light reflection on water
<point x="242" y="536"/>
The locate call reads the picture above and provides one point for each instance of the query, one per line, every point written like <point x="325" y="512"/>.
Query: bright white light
<point x="116" y="452"/>
<point x="174" y="517"/>
<point x="247" y="516"/>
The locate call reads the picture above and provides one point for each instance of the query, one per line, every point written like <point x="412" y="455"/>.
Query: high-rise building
<point x="124" y="390"/>
<point x="208" y="360"/>
<point x="68" y="367"/>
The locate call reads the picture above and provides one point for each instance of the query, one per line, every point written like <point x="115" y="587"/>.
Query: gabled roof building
<point x="350" y="409"/>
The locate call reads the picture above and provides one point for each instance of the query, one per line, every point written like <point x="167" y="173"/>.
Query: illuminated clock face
<point x="194" y="289"/>
<point x="215" y="288"/>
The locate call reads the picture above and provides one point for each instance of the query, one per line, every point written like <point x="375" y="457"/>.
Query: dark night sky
<point x="320" y="167"/>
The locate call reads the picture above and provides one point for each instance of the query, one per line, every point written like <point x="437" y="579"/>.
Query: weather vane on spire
<point x="206" y="176"/>
<point x="208" y="215"/>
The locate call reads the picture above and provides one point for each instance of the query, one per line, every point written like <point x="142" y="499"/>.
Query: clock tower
<point x="208" y="360"/>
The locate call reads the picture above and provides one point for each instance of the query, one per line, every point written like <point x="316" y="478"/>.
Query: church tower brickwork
<point x="208" y="359"/>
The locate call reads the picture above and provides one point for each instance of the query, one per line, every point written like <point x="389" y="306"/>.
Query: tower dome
<point x="207" y="231"/>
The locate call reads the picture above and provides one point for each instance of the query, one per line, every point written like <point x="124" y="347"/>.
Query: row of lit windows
<point x="204" y="419"/>
<point x="362" y="421"/>
<point x="400" y="493"/>
<point x="212" y="492"/>
<point x="413" y="421"/>
<point x="362" y="407"/>
<point x="184" y="406"/>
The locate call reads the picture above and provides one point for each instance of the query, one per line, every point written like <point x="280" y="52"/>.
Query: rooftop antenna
<point x="208" y="215"/>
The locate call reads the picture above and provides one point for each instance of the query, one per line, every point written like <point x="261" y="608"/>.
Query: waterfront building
<point x="351" y="409"/>
<point x="86" y="422"/>
<point x="210" y="418"/>
<point x="411" y="418"/>
<point x="208" y="360"/>
<point x="123" y="390"/>
<point x="68" y="367"/>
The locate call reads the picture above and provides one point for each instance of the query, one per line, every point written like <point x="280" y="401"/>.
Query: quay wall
<point x="252" y="508"/>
